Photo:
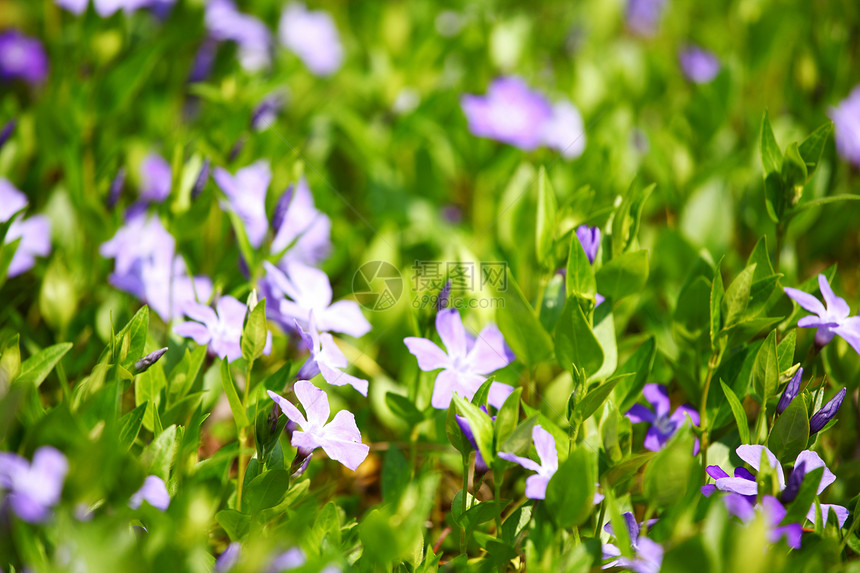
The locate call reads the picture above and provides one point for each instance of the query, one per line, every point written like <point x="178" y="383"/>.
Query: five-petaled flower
<point x="32" y="489"/>
<point x="647" y="554"/>
<point x="220" y="328"/>
<point x="339" y="439"/>
<point x="545" y="447"/>
<point x="663" y="425"/>
<point x="830" y="320"/>
<point x="466" y="363"/>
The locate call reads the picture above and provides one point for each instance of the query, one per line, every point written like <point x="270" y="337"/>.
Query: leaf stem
<point x="703" y="409"/>
<point x="463" y="502"/>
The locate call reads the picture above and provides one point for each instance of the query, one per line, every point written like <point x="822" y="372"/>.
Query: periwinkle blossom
<point x="773" y="512"/>
<point x="663" y="424"/>
<point x="246" y="196"/>
<point x="647" y="554"/>
<point x="790" y="392"/>
<point x="106" y="8"/>
<point x="225" y="23"/>
<point x="643" y="16"/>
<point x="309" y="292"/>
<point x="466" y="361"/>
<point x="827" y="412"/>
<point x="290" y="559"/>
<point x="155" y="178"/>
<point x="33" y="489"/>
<point x="744" y="484"/>
<point x="7" y="132"/>
<point x="545" y="447"/>
<point x="589" y="238"/>
<point x="699" y="65"/>
<point x="22" y="57"/>
<point x="465" y="427"/>
<point x="300" y="230"/>
<point x="117" y="185"/>
<point x="220" y="328"/>
<point x="510" y="112"/>
<point x="267" y="111"/>
<point x="564" y="131"/>
<point x="12" y="200"/>
<point x="326" y="359"/>
<point x="846" y="121"/>
<point x="202" y="179"/>
<point x="313" y="37"/>
<point x="830" y="320"/>
<point x="149" y="360"/>
<point x="34" y="232"/>
<point x="154" y="492"/>
<point x="228" y="558"/>
<point x="339" y="439"/>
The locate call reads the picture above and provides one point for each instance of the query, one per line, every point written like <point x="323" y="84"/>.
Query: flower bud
<point x="144" y="363"/>
<point x="790" y="392"/>
<point x="826" y="413"/>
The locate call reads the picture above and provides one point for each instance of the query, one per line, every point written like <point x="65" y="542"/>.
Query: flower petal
<point x="536" y="486"/>
<point x="639" y="413"/>
<point x="751" y="454"/>
<point x="498" y="393"/>
<point x="806" y="300"/>
<point x="443" y="389"/>
<point x="314" y="401"/>
<point x="344" y="316"/>
<point x="451" y="331"/>
<point x="291" y="412"/>
<point x="489" y="352"/>
<point x="737" y="485"/>
<point x="193" y="330"/>
<point x="811" y="461"/>
<point x="342" y="440"/>
<point x="683" y="412"/>
<point x="657" y="395"/>
<point x="339" y="378"/>
<point x="525" y="462"/>
<point x="545" y="446"/>
<point x="835" y="305"/>
<point x="429" y="355"/>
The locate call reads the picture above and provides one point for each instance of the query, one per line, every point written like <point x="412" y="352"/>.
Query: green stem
<point x="780" y="235"/>
<point x="703" y="409"/>
<point x="463" y="502"/>
<point x="497" y="495"/>
<point x="243" y="438"/>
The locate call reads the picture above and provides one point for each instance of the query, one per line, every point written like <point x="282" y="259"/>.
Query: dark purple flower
<point x="7" y="131"/>
<point x="267" y="111"/>
<point x="444" y="298"/>
<point x="281" y="209"/>
<point x="510" y="113"/>
<point x="202" y="179"/>
<point x="699" y="65"/>
<point x="830" y="321"/>
<point x="663" y="425"/>
<point x="32" y="489"/>
<point x="313" y="37"/>
<point x="147" y="361"/>
<point x="22" y="57"/>
<point x="466" y="361"/>
<point x="203" y="62"/>
<point x="480" y="465"/>
<point x="589" y="238"/>
<point x="792" y="486"/>
<point x="339" y="439"/>
<point x="790" y="392"/>
<point x="643" y="16"/>
<point x="154" y="492"/>
<point x="647" y="554"/>
<point x="115" y="189"/>
<point x="846" y="119"/>
<point x="819" y="419"/>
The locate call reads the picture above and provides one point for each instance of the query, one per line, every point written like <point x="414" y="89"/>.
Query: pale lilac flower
<point x="510" y="113"/>
<point x="466" y="361"/>
<point x="141" y="238"/>
<point x="545" y="446"/>
<point x="220" y="328"/>
<point x="75" y="6"/>
<point x="790" y="392"/>
<point x="225" y="23"/>
<point x="589" y="238"/>
<point x="564" y="131"/>
<point x="290" y="559"/>
<point x="107" y="8"/>
<point x="246" y="196"/>
<point x="699" y="65"/>
<point x="643" y="16"/>
<point x="827" y="412"/>
<point x="35" y="235"/>
<point x="647" y="554"/>
<point x="309" y="291"/>
<point x="303" y="232"/>
<point x="744" y="482"/>
<point x="830" y="321"/>
<point x="312" y="36"/>
<point x="32" y="489"/>
<point x="846" y="120"/>
<point x="326" y="359"/>
<point x="229" y="558"/>
<point x="11" y="200"/>
<point x="339" y="439"/>
<point x="663" y="425"/>
<point x="156" y="178"/>
<point x="774" y="512"/>
<point x="154" y="492"/>
<point x="22" y="57"/>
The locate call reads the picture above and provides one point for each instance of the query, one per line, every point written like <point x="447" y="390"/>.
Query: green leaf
<point x="481" y="424"/>
<point x="396" y="475"/>
<point x="813" y="146"/>
<point x="624" y="275"/>
<point x="774" y="198"/>
<point x="823" y="201"/>
<point x="761" y="259"/>
<point x="785" y="350"/>
<point x="239" y="414"/>
<point x="765" y="371"/>
<point x="326" y="528"/>
<point x="798" y="509"/>
<point x="738" y="413"/>
<point x="234" y="523"/>
<point x="594" y="399"/>
<point x="738" y="296"/>
<point x="266" y="490"/>
<point x="35" y="369"/>
<point x="507" y="417"/>
<point x="771" y="156"/>
<point x="570" y="492"/>
<point x="791" y="431"/>
<point x="404" y="408"/>
<point x="131" y="340"/>
<point x="794" y="172"/>
<point x="667" y="476"/>
<point x="717" y="294"/>
<point x="454" y="433"/>
<point x="520" y="326"/>
<point x="10" y="363"/>
<point x="546" y="214"/>
<point x="625" y="220"/>
<point x="183" y="375"/>
<point x="575" y="342"/>
<point x="255" y="333"/>
<point x="579" y="278"/>
<point x="639" y="364"/>
<point x="147" y="389"/>
<point x="129" y="426"/>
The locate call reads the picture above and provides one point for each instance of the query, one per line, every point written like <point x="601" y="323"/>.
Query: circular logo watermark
<point x="377" y="285"/>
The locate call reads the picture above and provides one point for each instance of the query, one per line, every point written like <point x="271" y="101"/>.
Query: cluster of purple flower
<point x="33" y="233"/>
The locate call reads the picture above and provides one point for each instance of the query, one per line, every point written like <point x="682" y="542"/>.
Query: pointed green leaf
<point x="575" y="342"/>
<point x="35" y="369"/>
<point x="546" y="213"/>
<point x="771" y="156"/>
<point x="522" y="330"/>
<point x="765" y="371"/>
<point x="239" y="414"/>
<point x="791" y="431"/>
<point x="570" y="492"/>
<point x="624" y="275"/>
<point x="813" y="146"/>
<point x="738" y="413"/>
<point x="580" y="274"/>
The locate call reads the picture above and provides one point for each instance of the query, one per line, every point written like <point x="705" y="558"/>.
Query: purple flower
<point x="106" y="8"/>
<point x="819" y="419"/>
<point x="467" y="362"/>
<point x="648" y="555"/>
<point x="246" y="196"/>
<point x="480" y="464"/>
<point x="156" y="178"/>
<point x="116" y="188"/>
<point x="545" y="446"/>
<point x="312" y="36"/>
<point x="229" y="558"/>
<point x="225" y="23"/>
<point x="589" y="238"/>
<point x="147" y="361"/>
<point x="744" y="482"/>
<point x="32" y="489"/>
<point x="699" y="65"/>
<point x="510" y="113"/>
<point x="564" y="131"/>
<point x="310" y="292"/>
<point x="290" y="559"/>
<point x="11" y="200"/>
<point x="643" y="16"/>
<point x="202" y="179"/>
<point x="339" y="439"/>
<point x="444" y="298"/>
<point x="154" y="492"/>
<point x="790" y="392"/>
<point x="35" y="235"/>
<point x="326" y="359"/>
<point x="7" y="131"/>
<point x="663" y="425"/>
<point x="204" y="60"/>
<point x="831" y="320"/>
<point x="304" y="232"/>
<point x="846" y="119"/>
<point x="267" y="111"/>
<point x="22" y="57"/>
<point x="75" y="6"/>
<point x="221" y="328"/>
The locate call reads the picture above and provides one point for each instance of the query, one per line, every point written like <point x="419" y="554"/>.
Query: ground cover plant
<point x="410" y="286"/>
